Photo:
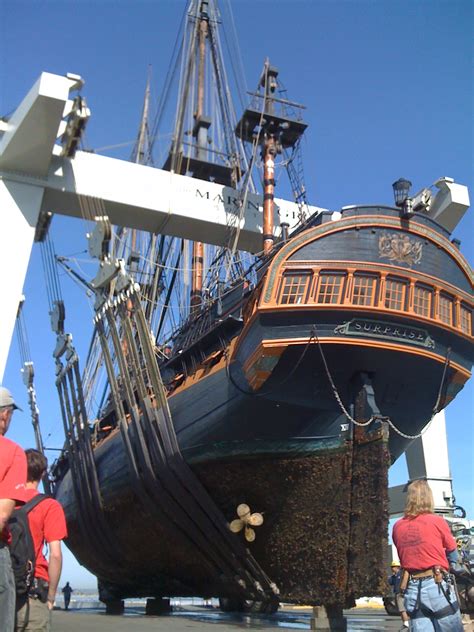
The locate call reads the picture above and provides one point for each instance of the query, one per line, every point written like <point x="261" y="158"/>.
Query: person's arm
<point x="12" y="485"/>
<point x="7" y="505"/>
<point x="55" y="563"/>
<point x="449" y="543"/>
<point x="453" y="556"/>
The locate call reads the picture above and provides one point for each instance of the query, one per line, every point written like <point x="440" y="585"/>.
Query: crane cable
<point x="22" y="336"/>
<point x="48" y="257"/>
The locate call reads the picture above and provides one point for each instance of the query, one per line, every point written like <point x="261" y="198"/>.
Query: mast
<point x="269" y="152"/>
<point x="208" y="150"/>
<point x="142" y="140"/>
<point x="200" y="132"/>
<point x="268" y="123"/>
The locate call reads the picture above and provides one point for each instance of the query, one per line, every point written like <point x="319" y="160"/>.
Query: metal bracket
<point x="28" y="372"/>
<point x="108" y="270"/>
<point x="99" y="239"/>
<point x="75" y="126"/>
<point x="62" y="343"/>
<point x="57" y="316"/>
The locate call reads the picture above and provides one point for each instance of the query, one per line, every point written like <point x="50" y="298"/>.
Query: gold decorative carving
<point x="399" y="247"/>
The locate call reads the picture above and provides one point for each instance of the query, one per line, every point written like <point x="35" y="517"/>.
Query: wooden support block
<point x="329" y="619"/>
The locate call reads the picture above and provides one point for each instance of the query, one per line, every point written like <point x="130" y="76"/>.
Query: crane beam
<point x="157" y="201"/>
<point x="36" y="174"/>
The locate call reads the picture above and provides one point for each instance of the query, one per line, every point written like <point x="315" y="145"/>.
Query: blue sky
<point x="388" y="87"/>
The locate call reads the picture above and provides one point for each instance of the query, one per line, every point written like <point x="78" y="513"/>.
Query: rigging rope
<point x="165" y="94"/>
<point x="243" y="199"/>
<point x="239" y="73"/>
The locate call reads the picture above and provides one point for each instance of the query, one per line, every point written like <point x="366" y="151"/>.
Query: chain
<point x="314" y="335"/>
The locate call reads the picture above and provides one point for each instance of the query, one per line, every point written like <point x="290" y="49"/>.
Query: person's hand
<point x="50" y="604"/>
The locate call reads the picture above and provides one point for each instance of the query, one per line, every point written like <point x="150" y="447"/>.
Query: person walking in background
<point x="47" y="525"/>
<point x="12" y="489"/>
<point x="67" y="590"/>
<point x="425" y="544"/>
<point x="394" y="581"/>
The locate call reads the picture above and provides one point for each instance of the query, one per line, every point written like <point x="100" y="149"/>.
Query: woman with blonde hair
<point x="426" y="547"/>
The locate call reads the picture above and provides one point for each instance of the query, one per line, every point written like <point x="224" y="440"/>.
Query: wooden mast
<point x="201" y="133"/>
<point x="269" y="151"/>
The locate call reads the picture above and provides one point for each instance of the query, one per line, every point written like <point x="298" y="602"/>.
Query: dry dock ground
<point x="200" y="619"/>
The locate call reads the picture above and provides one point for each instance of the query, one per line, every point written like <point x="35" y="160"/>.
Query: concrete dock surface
<point x="202" y="619"/>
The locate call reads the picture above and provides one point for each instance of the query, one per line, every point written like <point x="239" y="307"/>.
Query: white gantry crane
<point x="41" y="172"/>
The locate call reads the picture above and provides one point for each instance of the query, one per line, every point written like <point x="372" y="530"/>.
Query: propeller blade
<point x="249" y="534"/>
<point x="256" y="519"/>
<point x="243" y="510"/>
<point x="236" y="525"/>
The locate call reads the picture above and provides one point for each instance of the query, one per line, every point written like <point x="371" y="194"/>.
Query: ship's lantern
<point x="401" y="189"/>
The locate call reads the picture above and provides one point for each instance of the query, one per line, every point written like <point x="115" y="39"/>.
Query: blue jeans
<point x="429" y="609"/>
<point x="7" y="591"/>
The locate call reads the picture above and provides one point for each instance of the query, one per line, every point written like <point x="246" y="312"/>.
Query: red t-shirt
<point x="47" y="524"/>
<point x="422" y="542"/>
<point x="12" y="475"/>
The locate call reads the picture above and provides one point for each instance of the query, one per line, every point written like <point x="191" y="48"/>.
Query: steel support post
<point x="19" y="209"/>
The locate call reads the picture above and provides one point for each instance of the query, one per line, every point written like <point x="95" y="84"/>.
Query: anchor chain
<point x="377" y="417"/>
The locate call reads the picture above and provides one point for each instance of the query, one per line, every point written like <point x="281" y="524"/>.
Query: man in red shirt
<point x="47" y="525"/>
<point x="425" y="544"/>
<point x="12" y="489"/>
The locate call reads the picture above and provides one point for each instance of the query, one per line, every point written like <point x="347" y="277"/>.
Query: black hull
<point x="262" y="403"/>
<point x="244" y="447"/>
<point x="322" y="492"/>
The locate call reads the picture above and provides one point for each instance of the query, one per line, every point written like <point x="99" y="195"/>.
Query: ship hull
<point x="295" y="405"/>
<point x="287" y="452"/>
<point x="312" y="500"/>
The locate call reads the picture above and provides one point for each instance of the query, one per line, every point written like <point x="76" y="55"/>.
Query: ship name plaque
<point x="386" y="330"/>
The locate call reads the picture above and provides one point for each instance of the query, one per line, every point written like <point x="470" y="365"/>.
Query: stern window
<point x="422" y="300"/>
<point x="363" y="292"/>
<point x="466" y="319"/>
<point x="395" y="294"/>
<point x="329" y="288"/>
<point x="445" y="309"/>
<point x="294" y="288"/>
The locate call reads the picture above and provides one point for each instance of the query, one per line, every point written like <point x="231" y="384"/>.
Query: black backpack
<point x="22" y="548"/>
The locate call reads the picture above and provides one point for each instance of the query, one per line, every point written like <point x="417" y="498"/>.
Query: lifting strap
<point x="161" y="477"/>
<point x="81" y="460"/>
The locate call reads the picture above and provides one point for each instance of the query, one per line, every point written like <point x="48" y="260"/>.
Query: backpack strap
<point x="31" y="504"/>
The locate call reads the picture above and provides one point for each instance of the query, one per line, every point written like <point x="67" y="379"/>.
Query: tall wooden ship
<point x="242" y="453"/>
